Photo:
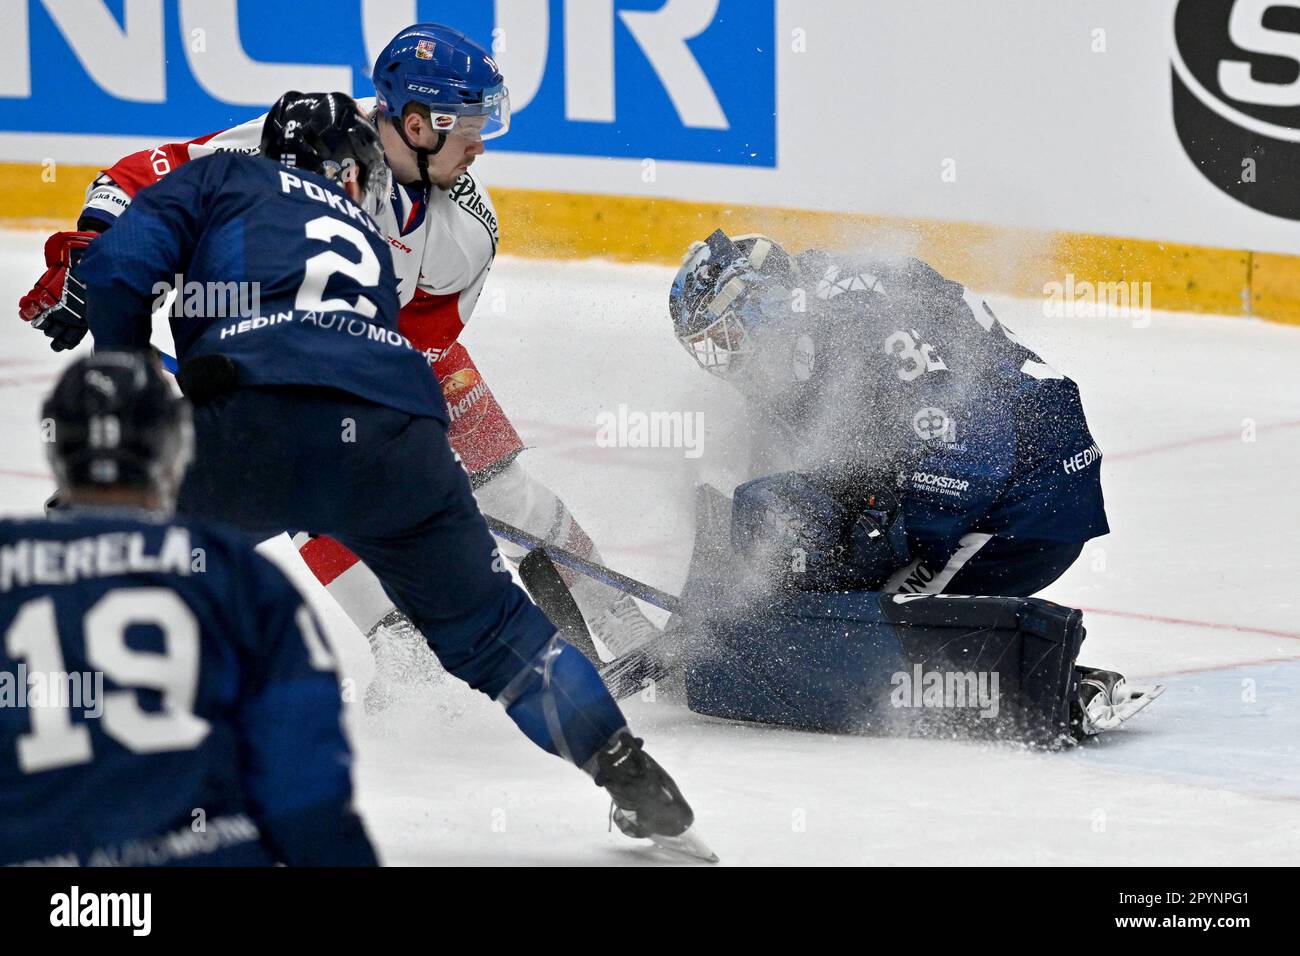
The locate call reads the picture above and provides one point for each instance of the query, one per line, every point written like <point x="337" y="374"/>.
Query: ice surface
<point x="1196" y="585"/>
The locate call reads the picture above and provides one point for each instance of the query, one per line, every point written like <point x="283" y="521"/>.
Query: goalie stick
<point x="566" y="558"/>
<point x="651" y="661"/>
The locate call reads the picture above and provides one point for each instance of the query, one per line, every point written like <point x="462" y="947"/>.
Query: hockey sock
<point x="560" y="703"/>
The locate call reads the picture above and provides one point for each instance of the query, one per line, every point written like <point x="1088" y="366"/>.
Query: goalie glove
<point x="56" y="304"/>
<point x="812" y="533"/>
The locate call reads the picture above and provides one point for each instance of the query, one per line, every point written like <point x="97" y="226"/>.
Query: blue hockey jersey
<point x="893" y="373"/>
<point x="274" y="267"/>
<point x="166" y="698"/>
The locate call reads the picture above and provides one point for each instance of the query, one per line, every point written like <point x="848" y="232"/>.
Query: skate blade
<point x="686" y="844"/>
<point x="1141" y="698"/>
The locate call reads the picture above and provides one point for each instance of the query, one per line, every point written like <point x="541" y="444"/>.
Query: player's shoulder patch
<point x="466" y="193"/>
<point x="840" y="278"/>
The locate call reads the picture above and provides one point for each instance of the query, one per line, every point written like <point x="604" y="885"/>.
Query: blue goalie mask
<point x="718" y="299"/>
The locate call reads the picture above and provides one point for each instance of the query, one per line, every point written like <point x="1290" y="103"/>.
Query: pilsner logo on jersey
<point x="464" y="192"/>
<point x="1236" y="97"/>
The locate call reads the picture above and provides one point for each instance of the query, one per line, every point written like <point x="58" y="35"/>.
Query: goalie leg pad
<point x="899" y="664"/>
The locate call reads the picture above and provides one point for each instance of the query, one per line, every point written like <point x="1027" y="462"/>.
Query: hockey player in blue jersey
<point x="883" y="376"/>
<point x="321" y="375"/>
<point x="907" y="445"/>
<point x="168" y="699"/>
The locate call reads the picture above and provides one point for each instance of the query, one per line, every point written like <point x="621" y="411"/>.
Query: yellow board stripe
<point x="1020" y="262"/>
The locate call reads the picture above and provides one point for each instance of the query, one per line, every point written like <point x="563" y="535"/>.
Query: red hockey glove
<point x="45" y="307"/>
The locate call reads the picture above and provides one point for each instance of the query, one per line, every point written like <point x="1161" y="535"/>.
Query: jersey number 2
<point x="321" y="266"/>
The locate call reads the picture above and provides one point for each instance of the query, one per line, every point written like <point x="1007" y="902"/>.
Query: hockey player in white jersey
<point x="439" y="97"/>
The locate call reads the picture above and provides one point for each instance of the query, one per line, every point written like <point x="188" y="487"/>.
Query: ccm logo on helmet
<point x="489" y="99"/>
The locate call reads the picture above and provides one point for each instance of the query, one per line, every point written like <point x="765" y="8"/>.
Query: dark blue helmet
<point x="113" y="421"/>
<point x="446" y="71"/>
<point x="325" y="133"/>
<point x="719" y="297"/>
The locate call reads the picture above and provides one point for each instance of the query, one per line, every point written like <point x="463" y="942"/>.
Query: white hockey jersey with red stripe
<point x="443" y="243"/>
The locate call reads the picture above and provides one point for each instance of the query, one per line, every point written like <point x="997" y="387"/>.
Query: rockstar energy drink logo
<point x="464" y="390"/>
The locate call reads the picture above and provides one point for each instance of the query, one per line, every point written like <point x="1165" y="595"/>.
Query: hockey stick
<point x="566" y="558"/>
<point x="625" y="675"/>
<point x="550" y="593"/>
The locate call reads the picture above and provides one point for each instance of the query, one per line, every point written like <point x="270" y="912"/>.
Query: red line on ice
<point x="1190" y="442"/>
<point x="28" y="379"/>
<point x="5" y="363"/>
<point x="1161" y="619"/>
<point x="14" y="473"/>
<point x="1208" y="668"/>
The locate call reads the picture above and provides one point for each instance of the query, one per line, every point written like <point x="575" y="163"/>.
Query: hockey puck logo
<point x="1236" y="98"/>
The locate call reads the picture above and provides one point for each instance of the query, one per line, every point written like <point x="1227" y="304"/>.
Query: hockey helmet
<point x="113" y="421"/>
